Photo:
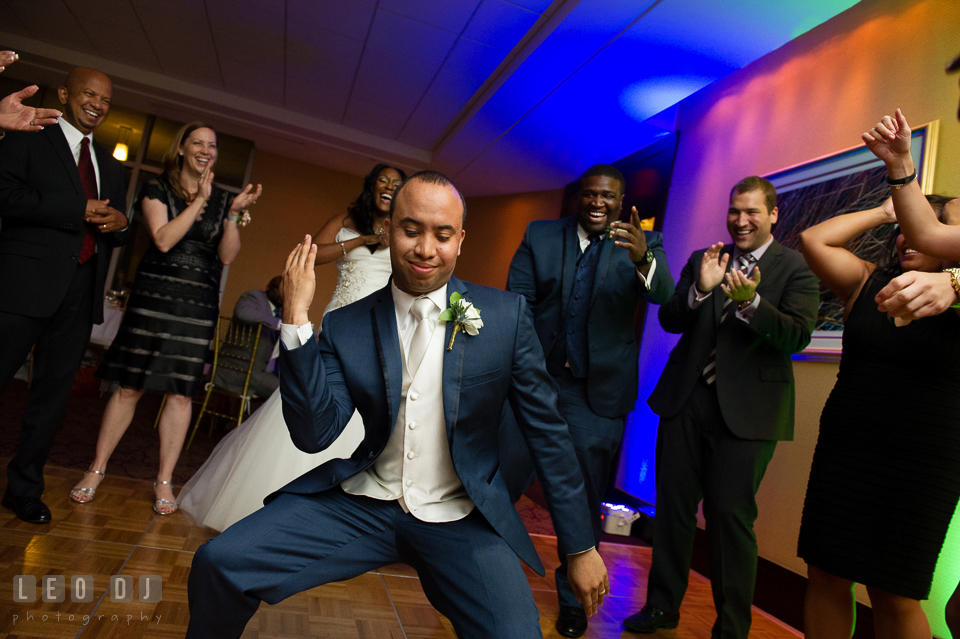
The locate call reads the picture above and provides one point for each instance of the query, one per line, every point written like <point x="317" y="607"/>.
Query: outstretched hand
<point x="712" y="267"/>
<point x="299" y="283"/>
<point x="16" y="116"/>
<point x="889" y="140"/>
<point x="588" y="579"/>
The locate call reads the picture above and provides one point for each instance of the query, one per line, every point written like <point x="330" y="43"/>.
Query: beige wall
<point x="810" y="98"/>
<point x="297" y="199"/>
<point x="495" y="226"/>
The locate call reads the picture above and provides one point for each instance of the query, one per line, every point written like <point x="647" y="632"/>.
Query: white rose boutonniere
<point x="464" y="315"/>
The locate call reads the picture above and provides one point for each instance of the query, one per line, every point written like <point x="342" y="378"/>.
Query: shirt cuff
<point x="573" y="554"/>
<point x="646" y="281"/>
<point x="294" y="336"/>
<point x="695" y="298"/>
<point x="746" y="314"/>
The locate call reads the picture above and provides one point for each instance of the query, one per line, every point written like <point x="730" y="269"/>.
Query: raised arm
<point x="889" y="140"/>
<point x="702" y="273"/>
<point x="316" y="404"/>
<point x="839" y="269"/>
<point x="329" y="249"/>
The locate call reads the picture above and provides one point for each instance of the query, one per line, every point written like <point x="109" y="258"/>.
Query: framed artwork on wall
<point x="844" y="182"/>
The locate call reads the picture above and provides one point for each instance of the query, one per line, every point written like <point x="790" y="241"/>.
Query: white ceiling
<point x="503" y="95"/>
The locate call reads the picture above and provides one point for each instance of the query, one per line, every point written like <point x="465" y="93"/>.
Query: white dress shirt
<point x="74" y="138"/>
<point x="416" y="467"/>
<point x="695" y="298"/>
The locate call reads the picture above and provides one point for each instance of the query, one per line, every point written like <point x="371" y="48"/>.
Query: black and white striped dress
<point x="164" y="339"/>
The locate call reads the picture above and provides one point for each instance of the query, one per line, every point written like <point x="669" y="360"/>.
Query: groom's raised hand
<point x="299" y="283"/>
<point x="589" y="580"/>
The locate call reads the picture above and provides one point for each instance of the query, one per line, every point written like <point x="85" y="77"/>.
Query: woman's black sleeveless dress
<point x="164" y="338"/>
<point x="886" y="472"/>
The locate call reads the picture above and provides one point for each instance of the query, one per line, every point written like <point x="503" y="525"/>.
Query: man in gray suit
<point x="256" y="307"/>
<point x="726" y="397"/>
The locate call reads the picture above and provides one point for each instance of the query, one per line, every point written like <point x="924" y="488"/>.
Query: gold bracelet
<point x="955" y="281"/>
<point x="746" y="303"/>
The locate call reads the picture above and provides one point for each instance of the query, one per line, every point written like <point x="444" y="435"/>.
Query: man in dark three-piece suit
<point x="58" y="193"/>
<point x="583" y="279"/>
<point x="726" y="397"/>
<point x="424" y="487"/>
<point x="256" y="307"/>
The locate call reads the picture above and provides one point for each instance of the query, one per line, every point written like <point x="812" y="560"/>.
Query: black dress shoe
<point x="29" y="509"/>
<point x="572" y="621"/>
<point x="650" y="618"/>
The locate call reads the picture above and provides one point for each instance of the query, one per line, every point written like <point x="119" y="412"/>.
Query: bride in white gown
<point x="258" y="457"/>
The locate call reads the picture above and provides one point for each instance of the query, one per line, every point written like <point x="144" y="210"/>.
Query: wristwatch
<point x="646" y="259"/>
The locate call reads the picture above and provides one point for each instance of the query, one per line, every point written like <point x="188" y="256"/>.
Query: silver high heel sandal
<point x="164" y="503"/>
<point x="90" y="493"/>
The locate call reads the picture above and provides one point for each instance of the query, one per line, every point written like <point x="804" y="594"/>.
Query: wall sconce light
<point x="122" y="149"/>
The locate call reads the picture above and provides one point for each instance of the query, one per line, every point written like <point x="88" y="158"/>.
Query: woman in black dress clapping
<point x="163" y="341"/>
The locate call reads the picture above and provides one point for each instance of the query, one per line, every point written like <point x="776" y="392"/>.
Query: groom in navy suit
<point x="424" y="487"/>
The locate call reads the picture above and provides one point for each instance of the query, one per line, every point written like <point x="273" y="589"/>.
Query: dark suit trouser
<point x="596" y="441"/>
<point x="698" y="457"/>
<point x="298" y="542"/>
<point x="59" y="343"/>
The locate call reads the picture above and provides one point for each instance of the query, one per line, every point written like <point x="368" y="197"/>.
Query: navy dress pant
<point x="596" y="440"/>
<point x="298" y="542"/>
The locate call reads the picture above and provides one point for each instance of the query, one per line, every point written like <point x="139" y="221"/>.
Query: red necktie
<point x="88" y="179"/>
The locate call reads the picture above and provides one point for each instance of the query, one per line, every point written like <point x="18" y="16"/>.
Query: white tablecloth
<point x="103" y="334"/>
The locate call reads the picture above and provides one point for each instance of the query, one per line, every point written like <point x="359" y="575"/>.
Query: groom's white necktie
<point x="421" y="337"/>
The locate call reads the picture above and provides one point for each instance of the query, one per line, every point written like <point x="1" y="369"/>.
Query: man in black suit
<point x="597" y="269"/>
<point x="56" y="191"/>
<point x="256" y="307"/>
<point x="726" y="397"/>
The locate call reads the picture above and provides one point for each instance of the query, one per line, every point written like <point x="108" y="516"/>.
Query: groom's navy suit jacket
<point x="357" y="364"/>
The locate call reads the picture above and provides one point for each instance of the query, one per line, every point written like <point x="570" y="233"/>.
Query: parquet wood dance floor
<point x="119" y="534"/>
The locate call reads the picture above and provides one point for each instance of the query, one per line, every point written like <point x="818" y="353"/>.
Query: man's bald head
<point x="86" y="96"/>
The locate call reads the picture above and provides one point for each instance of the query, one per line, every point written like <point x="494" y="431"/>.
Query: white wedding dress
<point x="258" y="457"/>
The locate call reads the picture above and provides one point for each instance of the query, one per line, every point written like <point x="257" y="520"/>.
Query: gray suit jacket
<point x="754" y="368"/>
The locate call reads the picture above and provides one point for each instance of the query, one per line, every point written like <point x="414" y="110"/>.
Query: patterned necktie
<point x="710" y="368"/>
<point x="88" y="180"/>
<point x="421" y="337"/>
